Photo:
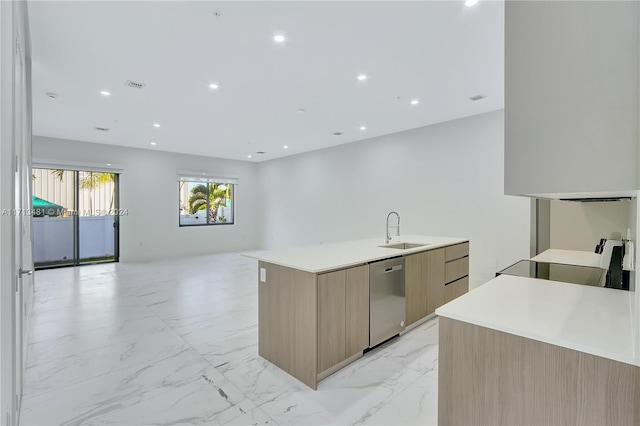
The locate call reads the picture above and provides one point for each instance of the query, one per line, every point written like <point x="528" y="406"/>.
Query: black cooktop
<point x="575" y="274"/>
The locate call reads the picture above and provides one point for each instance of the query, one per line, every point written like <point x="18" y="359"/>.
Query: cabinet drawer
<point x="456" y="269"/>
<point x="456" y="252"/>
<point x="456" y="289"/>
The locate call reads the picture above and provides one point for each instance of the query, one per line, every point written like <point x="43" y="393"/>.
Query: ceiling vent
<point x="477" y="97"/>
<point x="134" y="85"/>
<point x="102" y="129"/>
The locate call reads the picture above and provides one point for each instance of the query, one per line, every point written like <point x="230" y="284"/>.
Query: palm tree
<point x="218" y="195"/>
<point x="198" y="198"/>
<point x="59" y="173"/>
<point x="93" y="180"/>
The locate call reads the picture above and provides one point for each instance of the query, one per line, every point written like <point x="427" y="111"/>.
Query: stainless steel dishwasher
<point x="386" y="299"/>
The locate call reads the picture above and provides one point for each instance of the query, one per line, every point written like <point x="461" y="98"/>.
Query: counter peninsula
<point x="313" y="302"/>
<point x="522" y="350"/>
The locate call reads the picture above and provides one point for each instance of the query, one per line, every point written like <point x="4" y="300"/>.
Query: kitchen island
<point x="528" y="351"/>
<point x="313" y="302"/>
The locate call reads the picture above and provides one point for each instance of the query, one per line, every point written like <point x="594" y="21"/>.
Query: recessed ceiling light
<point x="470" y="3"/>
<point x="108" y="164"/>
<point x="153" y="143"/>
<point x="362" y="77"/>
<point x="105" y="93"/>
<point x="156" y="125"/>
<point x="301" y="110"/>
<point x="279" y="38"/>
<point x="415" y="102"/>
<point x="249" y="156"/>
<point x="363" y="127"/>
<point x="337" y="133"/>
<point x="52" y="95"/>
<point x="286" y="147"/>
<point x="213" y="86"/>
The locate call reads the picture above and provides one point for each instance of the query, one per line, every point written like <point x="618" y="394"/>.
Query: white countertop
<point x="588" y="319"/>
<point x="569" y="257"/>
<point x="327" y="257"/>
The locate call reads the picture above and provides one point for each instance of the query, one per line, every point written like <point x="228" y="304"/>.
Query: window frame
<point x="207" y="182"/>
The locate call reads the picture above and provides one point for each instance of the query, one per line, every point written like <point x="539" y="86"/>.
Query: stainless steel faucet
<point x="388" y="237"/>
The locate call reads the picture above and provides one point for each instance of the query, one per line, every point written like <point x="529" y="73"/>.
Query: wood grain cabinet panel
<point x="343" y="315"/>
<point x="456" y="251"/>
<point x="287" y="317"/>
<point x="415" y="287"/>
<point x="331" y="319"/>
<point x="357" y="310"/>
<point x="424" y="283"/>
<point x="489" y="377"/>
<point x="435" y="279"/>
<point x="456" y="269"/>
<point x="456" y="289"/>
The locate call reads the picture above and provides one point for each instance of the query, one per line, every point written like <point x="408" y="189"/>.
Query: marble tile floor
<point x="175" y="342"/>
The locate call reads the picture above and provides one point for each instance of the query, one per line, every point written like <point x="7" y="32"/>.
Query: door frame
<point x="76" y="169"/>
<point x="20" y="208"/>
<point x="15" y="140"/>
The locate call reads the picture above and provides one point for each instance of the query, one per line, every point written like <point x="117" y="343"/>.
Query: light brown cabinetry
<point x="456" y="251"/>
<point x="331" y="319"/>
<point x="456" y="271"/>
<point x="287" y="321"/>
<point x="424" y="283"/>
<point x="456" y="289"/>
<point x="343" y="315"/>
<point x="489" y="377"/>
<point x="357" y="310"/>
<point x="310" y="325"/>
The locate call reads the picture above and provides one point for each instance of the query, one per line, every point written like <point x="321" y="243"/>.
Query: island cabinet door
<point x="424" y="283"/>
<point x="343" y="315"/>
<point x="357" y="310"/>
<point x="287" y="321"/>
<point x="435" y="279"/>
<point x="415" y="287"/>
<point x="331" y="319"/>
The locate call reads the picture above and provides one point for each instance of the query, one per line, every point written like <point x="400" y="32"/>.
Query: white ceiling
<point x="438" y="52"/>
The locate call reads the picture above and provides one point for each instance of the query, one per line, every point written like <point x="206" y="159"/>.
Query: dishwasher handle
<point x="388" y="269"/>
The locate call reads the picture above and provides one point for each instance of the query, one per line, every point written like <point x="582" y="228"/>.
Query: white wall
<point x="149" y="191"/>
<point x="445" y="180"/>
<point x="579" y="226"/>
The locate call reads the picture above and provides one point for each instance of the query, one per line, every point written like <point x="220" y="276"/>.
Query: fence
<point x="53" y="238"/>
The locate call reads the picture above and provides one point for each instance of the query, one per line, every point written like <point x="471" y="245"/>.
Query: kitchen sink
<point x="403" y="246"/>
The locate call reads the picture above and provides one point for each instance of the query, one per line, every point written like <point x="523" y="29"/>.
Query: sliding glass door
<point x="75" y="218"/>
<point x="97" y="218"/>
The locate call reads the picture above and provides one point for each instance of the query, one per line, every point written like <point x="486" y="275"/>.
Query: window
<point x="206" y="201"/>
